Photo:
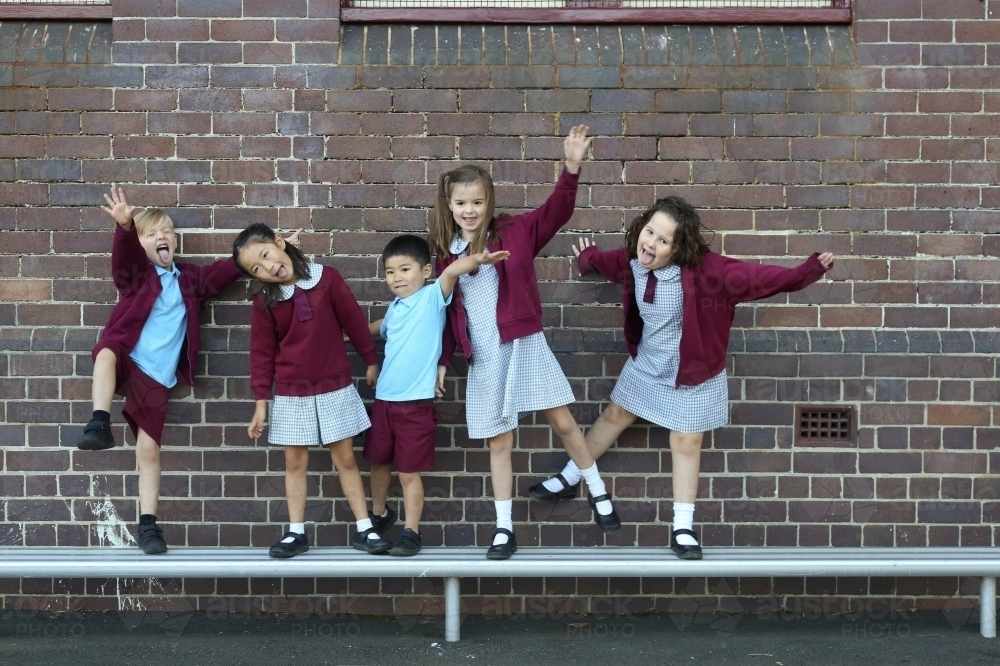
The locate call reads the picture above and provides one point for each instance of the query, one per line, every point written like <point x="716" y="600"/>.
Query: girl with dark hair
<point x="679" y="300"/>
<point x="298" y="357"/>
<point x="495" y="317"/>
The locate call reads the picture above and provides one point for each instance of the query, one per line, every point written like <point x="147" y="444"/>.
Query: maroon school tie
<point x="650" y="287"/>
<point x="302" y="307"/>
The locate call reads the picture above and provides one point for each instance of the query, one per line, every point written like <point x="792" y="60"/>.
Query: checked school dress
<point x="647" y="386"/>
<point x="315" y="419"/>
<point x="505" y="379"/>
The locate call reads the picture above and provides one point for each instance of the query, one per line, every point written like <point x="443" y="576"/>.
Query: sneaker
<point x="151" y="539"/>
<point x="96" y="437"/>
<point x="299" y="544"/>
<point x="383" y="523"/>
<point x="371" y="546"/>
<point x="407" y="543"/>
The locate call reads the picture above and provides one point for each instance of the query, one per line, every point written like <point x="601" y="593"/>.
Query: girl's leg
<point x="685" y="455"/>
<point x="296" y="487"/>
<point x="342" y="453"/>
<point x="413" y="498"/>
<point x="502" y="477"/>
<point x="605" y="431"/>
<point x="380" y="478"/>
<point x="573" y="441"/>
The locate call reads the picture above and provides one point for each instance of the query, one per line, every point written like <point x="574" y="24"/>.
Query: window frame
<point x="55" y="11"/>
<point x="839" y="14"/>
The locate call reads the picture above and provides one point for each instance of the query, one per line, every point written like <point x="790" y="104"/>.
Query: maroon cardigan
<point x="519" y="306"/>
<point x="139" y="286"/>
<point x="712" y="291"/>
<point x="292" y="357"/>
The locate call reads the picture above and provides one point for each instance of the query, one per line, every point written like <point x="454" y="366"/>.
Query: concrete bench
<point x="455" y="563"/>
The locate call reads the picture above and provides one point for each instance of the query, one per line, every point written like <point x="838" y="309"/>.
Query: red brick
<point x="950" y="244"/>
<point x="22" y="146"/>
<point x="177" y="30"/>
<point x="145" y="100"/>
<point x="242" y="30"/>
<point x="208" y="147"/>
<point x="143" y="146"/>
<point x="959" y="415"/>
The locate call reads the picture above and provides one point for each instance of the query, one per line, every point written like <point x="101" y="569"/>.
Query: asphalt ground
<point x="214" y="639"/>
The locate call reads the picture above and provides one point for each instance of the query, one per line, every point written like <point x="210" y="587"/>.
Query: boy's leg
<point x="102" y="389"/>
<point x="381" y="477"/>
<point x="147" y="457"/>
<point x="96" y="434"/>
<point x="413" y="498"/>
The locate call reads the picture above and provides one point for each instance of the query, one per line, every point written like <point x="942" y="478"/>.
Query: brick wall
<point x="876" y="142"/>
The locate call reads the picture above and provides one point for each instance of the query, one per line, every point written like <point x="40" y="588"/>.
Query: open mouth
<point x="646" y="257"/>
<point x="163" y="252"/>
<point x="281" y="272"/>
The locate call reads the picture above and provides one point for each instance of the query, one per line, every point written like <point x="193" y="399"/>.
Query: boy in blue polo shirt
<point x="403" y="419"/>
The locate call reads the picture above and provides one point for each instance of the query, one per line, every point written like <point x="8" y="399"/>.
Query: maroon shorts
<point x="402" y="432"/>
<point x="145" y="398"/>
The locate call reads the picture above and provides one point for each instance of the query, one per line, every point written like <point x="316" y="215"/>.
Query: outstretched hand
<point x="575" y="146"/>
<point x="826" y="259"/>
<point x="294" y="238"/>
<point x="490" y="258"/>
<point x="584" y="243"/>
<point x="119" y="209"/>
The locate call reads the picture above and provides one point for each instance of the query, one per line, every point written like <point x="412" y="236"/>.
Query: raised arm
<point x="128" y="259"/>
<point x="459" y="267"/>
<point x="750" y="282"/>
<point x="613" y="264"/>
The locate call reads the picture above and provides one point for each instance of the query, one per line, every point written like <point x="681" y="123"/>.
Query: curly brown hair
<point x="689" y="244"/>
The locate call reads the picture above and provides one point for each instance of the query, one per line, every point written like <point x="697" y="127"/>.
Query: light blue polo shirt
<point x="412" y="329"/>
<point x="159" y="348"/>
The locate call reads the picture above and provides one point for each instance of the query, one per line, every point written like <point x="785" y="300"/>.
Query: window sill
<point x="635" y="16"/>
<point x="55" y="12"/>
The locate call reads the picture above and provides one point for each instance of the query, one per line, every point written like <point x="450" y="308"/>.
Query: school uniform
<point x="495" y="319"/>
<point x="677" y="331"/>
<point x="298" y="358"/>
<point x="404" y="424"/>
<point x="154" y="328"/>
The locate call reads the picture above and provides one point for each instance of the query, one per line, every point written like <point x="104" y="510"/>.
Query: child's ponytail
<point x="261" y="233"/>
<point x="443" y="226"/>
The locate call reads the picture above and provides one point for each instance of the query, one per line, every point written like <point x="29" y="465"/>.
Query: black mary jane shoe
<point x="283" y="550"/>
<point x="610" y="523"/>
<point x="375" y="546"/>
<point x="685" y="552"/>
<point x="540" y="493"/>
<point x="502" y="551"/>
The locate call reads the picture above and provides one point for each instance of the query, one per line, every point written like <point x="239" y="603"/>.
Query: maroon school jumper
<point x="139" y="286"/>
<point x="712" y="290"/>
<point x="519" y="306"/>
<point x="303" y="354"/>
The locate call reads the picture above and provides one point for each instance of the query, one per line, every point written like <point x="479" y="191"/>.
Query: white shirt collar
<point x="661" y="273"/>
<point x="288" y="290"/>
<point x="458" y="244"/>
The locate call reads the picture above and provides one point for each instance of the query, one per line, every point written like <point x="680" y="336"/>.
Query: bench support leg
<point x="988" y="607"/>
<point x="452" y="608"/>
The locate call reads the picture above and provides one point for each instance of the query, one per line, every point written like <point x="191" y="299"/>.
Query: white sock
<point x="298" y="528"/>
<point x="570" y="472"/>
<point x="366" y="524"/>
<point x="385" y="514"/>
<point x="504" y="509"/>
<point x="596" y="486"/>
<point x="684" y="520"/>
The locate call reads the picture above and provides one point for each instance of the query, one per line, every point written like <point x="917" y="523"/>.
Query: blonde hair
<point x="149" y="218"/>
<point x="443" y="225"/>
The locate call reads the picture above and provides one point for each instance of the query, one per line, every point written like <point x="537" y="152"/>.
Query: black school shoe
<point x="540" y="493"/>
<point x="96" y="437"/>
<point x="407" y="543"/>
<point x="151" y="539"/>
<point x="685" y="552"/>
<point x="382" y="523"/>
<point x="370" y="546"/>
<point x="610" y="523"/>
<point x="502" y="551"/>
<point x="292" y="548"/>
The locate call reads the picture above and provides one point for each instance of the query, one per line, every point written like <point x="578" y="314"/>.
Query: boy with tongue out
<point x="149" y="342"/>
